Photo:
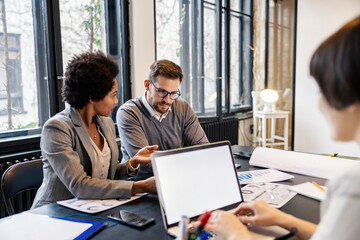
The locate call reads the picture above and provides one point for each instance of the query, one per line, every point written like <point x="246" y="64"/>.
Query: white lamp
<point x="269" y="98"/>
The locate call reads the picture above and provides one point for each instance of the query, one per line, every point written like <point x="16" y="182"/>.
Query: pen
<point x="203" y="220"/>
<point x="205" y="236"/>
<point x="183" y="228"/>
<point x="191" y="234"/>
<point x="333" y="155"/>
<point x="317" y="185"/>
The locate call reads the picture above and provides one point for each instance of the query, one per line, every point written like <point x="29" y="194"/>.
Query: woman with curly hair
<point x="80" y="153"/>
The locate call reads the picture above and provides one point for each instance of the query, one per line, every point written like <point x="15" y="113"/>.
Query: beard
<point x="161" y="110"/>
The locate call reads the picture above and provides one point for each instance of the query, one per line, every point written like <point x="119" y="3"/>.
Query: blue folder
<point x="96" y="226"/>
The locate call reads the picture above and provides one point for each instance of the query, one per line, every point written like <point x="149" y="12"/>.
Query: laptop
<point x="193" y="180"/>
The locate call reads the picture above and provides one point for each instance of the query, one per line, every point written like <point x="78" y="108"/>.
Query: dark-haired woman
<point x="336" y="68"/>
<point x="78" y="144"/>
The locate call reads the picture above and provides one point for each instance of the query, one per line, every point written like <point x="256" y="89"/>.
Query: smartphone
<point x="131" y="219"/>
<point x="242" y="154"/>
<point x="237" y="165"/>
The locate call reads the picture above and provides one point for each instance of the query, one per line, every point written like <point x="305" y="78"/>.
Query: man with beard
<point x="160" y="117"/>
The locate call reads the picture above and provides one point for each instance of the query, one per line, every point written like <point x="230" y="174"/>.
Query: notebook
<point x="42" y="227"/>
<point x="195" y="179"/>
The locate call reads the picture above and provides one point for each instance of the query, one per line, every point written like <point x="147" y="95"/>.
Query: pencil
<point x="333" y="155"/>
<point x="317" y="185"/>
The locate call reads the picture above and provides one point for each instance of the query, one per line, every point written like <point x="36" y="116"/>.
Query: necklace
<point x="94" y="137"/>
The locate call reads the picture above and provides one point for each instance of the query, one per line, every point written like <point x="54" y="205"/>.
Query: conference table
<point x="299" y="206"/>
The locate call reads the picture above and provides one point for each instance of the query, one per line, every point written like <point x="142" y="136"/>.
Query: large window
<point x="91" y="26"/>
<point x="211" y="41"/>
<point x="13" y="74"/>
<point x="37" y="39"/>
<point x="20" y="94"/>
<point x="280" y="71"/>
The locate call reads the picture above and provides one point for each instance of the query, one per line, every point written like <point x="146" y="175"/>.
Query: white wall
<point x="316" y="20"/>
<point x="142" y="43"/>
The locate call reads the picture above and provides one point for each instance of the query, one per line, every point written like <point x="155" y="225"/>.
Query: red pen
<point x="203" y="220"/>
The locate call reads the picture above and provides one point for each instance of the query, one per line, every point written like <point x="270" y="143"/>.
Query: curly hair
<point x="166" y="69"/>
<point x="335" y="66"/>
<point x="88" y="76"/>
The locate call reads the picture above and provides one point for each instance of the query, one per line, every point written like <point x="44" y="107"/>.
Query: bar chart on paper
<point x="261" y="176"/>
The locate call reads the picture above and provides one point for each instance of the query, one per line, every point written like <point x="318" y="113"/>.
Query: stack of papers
<point x="309" y="190"/>
<point x="94" y="206"/>
<point x="274" y="194"/>
<point x="261" y="176"/>
<point x="260" y="186"/>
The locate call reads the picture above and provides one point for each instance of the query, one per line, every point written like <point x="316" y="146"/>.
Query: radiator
<point x="225" y="130"/>
<point x="22" y="201"/>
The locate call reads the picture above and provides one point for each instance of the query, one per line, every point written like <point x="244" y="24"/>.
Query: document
<point x="267" y="233"/>
<point x="40" y="227"/>
<point x="277" y="195"/>
<point x="94" y="227"/>
<point x="310" y="190"/>
<point x="94" y="206"/>
<point x="301" y="163"/>
<point x="261" y="176"/>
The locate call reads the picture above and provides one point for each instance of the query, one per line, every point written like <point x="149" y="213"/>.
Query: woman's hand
<point x="143" y="155"/>
<point x="144" y="186"/>
<point x="150" y="185"/>
<point x="259" y="213"/>
<point x="227" y="226"/>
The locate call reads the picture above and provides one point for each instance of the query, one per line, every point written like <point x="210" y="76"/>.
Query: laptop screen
<point x="193" y="180"/>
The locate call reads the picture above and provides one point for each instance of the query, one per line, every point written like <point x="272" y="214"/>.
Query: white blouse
<point x="340" y="212"/>
<point x="101" y="163"/>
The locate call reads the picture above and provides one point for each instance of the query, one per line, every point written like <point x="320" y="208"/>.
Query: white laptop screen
<point x="192" y="182"/>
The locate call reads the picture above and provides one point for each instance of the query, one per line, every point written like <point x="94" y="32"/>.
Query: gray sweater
<point x="138" y="129"/>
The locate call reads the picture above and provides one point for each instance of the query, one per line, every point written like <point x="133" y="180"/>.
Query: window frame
<point x="51" y="57"/>
<point x="197" y="57"/>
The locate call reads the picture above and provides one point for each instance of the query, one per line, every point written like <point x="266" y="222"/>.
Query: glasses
<point x="163" y="93"/>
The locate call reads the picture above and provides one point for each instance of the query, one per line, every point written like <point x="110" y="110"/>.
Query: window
<point x="84" y="28"/>
<point x="210" y="40"/>
<point x="281" y="53"/>
<point x="14" y="76"/>
<point x="38" y="38"/>
<point x="19" y="89"/>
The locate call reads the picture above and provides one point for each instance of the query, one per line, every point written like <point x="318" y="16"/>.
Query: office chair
<point x="18" y="178"/>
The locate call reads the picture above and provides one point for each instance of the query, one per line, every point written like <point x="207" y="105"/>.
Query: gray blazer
<point x="67" y="157"/>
